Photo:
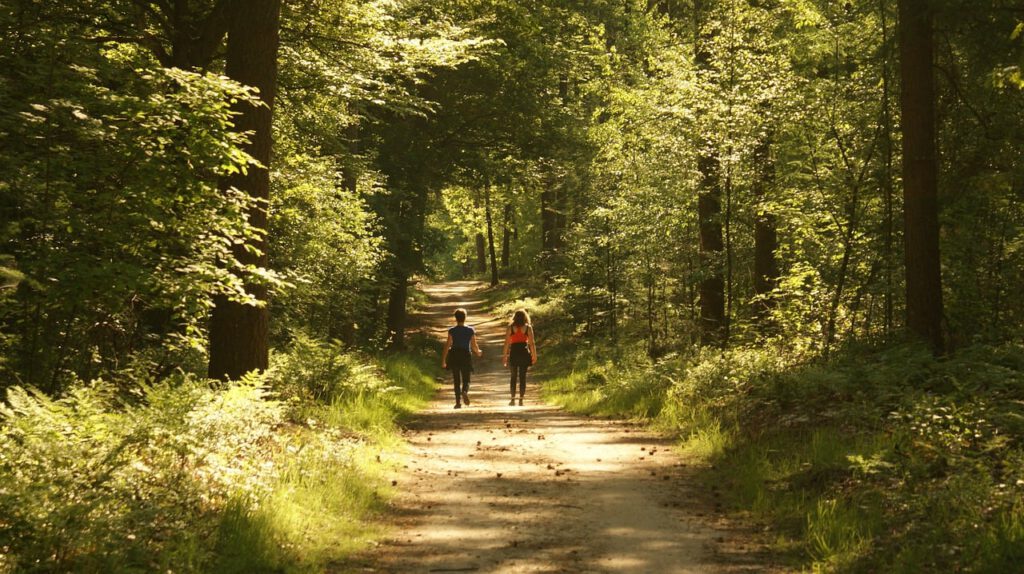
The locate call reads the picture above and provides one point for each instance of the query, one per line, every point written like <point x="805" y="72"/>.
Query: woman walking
<point x="456" y="355"/>
<point x="520" y="353"/>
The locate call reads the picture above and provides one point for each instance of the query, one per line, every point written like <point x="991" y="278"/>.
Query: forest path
<point x="496" y="488"/>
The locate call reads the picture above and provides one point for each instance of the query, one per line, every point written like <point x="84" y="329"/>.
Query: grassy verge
<point x="880" y="460"/>
<point x="279" y="473"/>
<point x="327" y="500"/>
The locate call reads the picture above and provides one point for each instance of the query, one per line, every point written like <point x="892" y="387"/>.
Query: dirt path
<point x="494" y="488"/>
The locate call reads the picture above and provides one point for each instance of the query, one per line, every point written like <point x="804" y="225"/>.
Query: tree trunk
<point x="920" y="185"/>
<point x="550" y="233"/>
<point x="396" y="307"/>
<point x="343" y="325"/>
<point x="506" y="237"/>
<point x="194" y="36"/>
<point x="709" y="211"/>
<point x="481" y="253"/>
<point x="766" y="240"/>
<point x="886" y="177"/>
<point x="712" y="286"/>
<point x="239" y="333"/>
<point x="490" y="236"/>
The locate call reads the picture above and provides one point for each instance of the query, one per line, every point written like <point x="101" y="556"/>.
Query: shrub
<point x="91" y="483"/>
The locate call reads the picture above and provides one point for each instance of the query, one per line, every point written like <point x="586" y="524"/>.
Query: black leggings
<point x="460" y="374"/>
<point x="519" y="370"/>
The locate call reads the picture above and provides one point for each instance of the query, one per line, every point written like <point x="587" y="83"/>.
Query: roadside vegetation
<point x="274" y="473"/>
<point x="878" y="459"/>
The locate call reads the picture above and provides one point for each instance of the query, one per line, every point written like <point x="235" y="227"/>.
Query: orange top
<point x="518" y="336"/>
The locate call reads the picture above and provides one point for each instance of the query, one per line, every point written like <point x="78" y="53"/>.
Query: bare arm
<point x="444" y="353"/>
<point x="475" y="347"/>
<point x="533" y="344"/>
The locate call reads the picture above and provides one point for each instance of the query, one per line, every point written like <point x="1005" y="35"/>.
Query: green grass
<point x="321" y="511"/>
<point x="328" y="499"/>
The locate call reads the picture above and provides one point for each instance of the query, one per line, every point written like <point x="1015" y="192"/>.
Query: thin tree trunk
<point x="727" y="322"/>
<point x="342" y="325"/>
<point x="549" y="220"/>
<point x="920" y="174"/>
<point x="650" y="311"/>
<point x="490" y="236"/>
<point x="506" y="237"/>
<point x="239" y="333"/>
<point x="837" y="297"/>
<point x="887" y="183"/>
<point x="396" y="308"/>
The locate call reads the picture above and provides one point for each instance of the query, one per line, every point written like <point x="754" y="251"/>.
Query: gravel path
<point x="494" y="488"/>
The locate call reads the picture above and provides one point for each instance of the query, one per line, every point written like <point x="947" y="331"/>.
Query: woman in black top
<point x="456" y="356"/>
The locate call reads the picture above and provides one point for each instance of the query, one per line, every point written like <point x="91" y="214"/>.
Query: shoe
<point x="520" y="401"/>
<point x="512" y="403"/>
<point x="458" y="405"/>
<point x="465" y="398"/>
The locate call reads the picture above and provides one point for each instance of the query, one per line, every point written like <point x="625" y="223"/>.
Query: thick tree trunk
<point x="766" y="240"/>
<point x="481" y="253"/>
<point x="920" y="167"/>
<point x="239" y="333"/>
<point x="709" y="211"/>
<point x="490" y="236"/>
<point x="712" y="286"/>
<point x="195" y="39"/>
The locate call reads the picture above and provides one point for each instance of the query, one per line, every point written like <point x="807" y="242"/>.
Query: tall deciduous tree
<point x="766" y="240"/>
<point x="490" y="234"/>
<point x="709" y="210"/>
<point x="239" y="330"/>
<point x="920" y="187"/>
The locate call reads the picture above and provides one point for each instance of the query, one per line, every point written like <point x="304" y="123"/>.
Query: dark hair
<point x="520" y="318"/>
<point x="460" y="315"/>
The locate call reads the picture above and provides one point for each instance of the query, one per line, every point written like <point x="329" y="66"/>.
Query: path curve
<point x="495" y="488"/>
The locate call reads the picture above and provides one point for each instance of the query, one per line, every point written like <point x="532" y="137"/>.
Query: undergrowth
<point x="277" y="473"/>
<point x="877" y="461"/>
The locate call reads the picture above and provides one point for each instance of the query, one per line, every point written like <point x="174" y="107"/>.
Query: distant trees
<point x="716" y="173"/>
<point x="775" y="126"/>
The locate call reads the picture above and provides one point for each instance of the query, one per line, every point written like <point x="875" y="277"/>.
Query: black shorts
<point x="519" y="355"/>
<point x="460" y="359"/>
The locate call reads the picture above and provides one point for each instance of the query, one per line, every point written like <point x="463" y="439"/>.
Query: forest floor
<point x="498" y="488"/>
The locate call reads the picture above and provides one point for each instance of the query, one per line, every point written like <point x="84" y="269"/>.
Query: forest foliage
<point x="706" y="197"/>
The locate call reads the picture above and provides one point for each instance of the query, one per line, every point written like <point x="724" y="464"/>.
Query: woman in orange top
<point x="520" y="353"/>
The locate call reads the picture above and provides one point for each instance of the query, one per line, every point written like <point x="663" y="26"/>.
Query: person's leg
<point x="457" y="380"/>
<point x="512" y="369"/>
<point x="522" y="382"/>
<point x="465" y="385"/>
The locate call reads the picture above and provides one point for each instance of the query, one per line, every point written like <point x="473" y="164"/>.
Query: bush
<point x="273" y="473"/>
<point x="92" y="484"/>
